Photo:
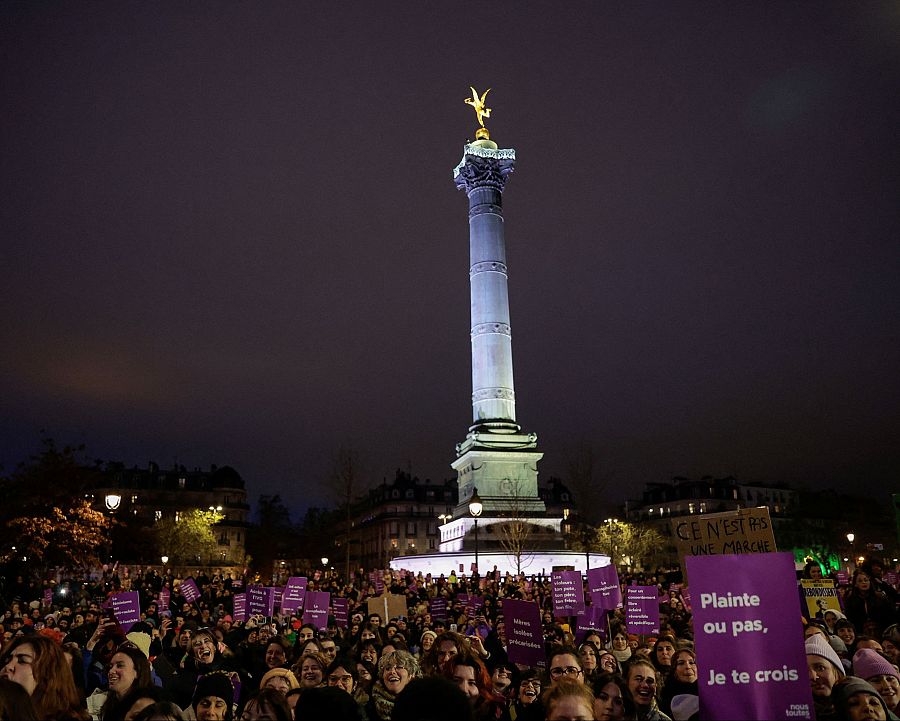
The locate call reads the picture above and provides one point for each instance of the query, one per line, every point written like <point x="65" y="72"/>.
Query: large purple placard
<point x="315" y="610"/>
<point x="593" y="618"/>
<point x="642" y="610"/>
<point x="189" y="590"/>
<point x="603" y="586"/>
<point x="749" y="638"/>
<point x="341" y="608"/>
<point x="524" y="633"/>
<point x="568" y="593"/>
<point x="439" y="609"/>
<point x="294" y="593"/>
<point x="240" y="607"/>
<point x="260" y="601"/>
<point x="126" y="607"/>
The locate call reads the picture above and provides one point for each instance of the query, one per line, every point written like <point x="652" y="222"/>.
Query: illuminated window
<point x="158" y="515"/>
<point x="690" y="507"/>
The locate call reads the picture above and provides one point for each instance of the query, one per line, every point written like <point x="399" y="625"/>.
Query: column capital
<point x="484" y="167"/>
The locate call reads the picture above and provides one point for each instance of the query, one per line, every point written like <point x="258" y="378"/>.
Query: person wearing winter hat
<point x="878" y="671"/>
<point x="825" y="670"/>
<point x="857" y="700"/>
<point x="215" y="696"/>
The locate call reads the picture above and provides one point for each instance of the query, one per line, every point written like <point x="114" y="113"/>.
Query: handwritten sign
<point x="388" y="607"/>
<point x="165" y="598"/>
<point x="524" y="634"/>
<point x="568" y="592"/>
<point x="240" y="607"/>
<point x="642" y="610"/>
<point x="750" y="654"/>
<point x="713" y="534"/>
<point x="603" y="587"/>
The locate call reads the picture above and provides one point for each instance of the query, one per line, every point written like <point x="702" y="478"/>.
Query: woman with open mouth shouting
<point x="642" y="686"/>
<point x="395" y="670"/>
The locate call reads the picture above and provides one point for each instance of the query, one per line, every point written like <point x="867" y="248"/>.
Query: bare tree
<point x="516" y="532"/>
<point x="344" y="482"/>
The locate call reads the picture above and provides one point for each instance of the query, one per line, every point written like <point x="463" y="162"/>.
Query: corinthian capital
<point x="484" y="168"/>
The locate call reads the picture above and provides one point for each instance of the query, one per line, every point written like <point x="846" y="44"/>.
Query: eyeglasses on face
<point x="558" y="671"/>
<point x="533" y="682"/>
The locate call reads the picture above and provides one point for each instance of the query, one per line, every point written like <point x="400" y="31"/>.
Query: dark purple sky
<point x="230" y="235"/>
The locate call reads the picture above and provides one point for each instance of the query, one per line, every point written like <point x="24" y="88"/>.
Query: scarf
<point x="384" y="701"/>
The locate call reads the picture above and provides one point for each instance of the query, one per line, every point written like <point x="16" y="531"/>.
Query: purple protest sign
<point x="48" y="597"/>
<point x="843" y="578"/>
<point x="473" y="603"/>
<point x="568" y="592"/>
<point x="277" y="593"/>
<point x="165" y="599"/>
<point x="749" y="637"/>
<point x="240" y="607"/>
<point x="294" y="593"/>
<point x="315" y="610"/>
<point x="890" y="578"/>
<point x="603" y="586"/>
<point x="379" y="585"/>
<point x="525" y="636"/>
<point x="126" y="608"/>
<point x="593" y="618"/>
<point x="259" y="601"/>
<point x="642" y="610"/>
<point x="439" y="609"/>
<point x="341" y="608"/>
<point x="189" y="590"/>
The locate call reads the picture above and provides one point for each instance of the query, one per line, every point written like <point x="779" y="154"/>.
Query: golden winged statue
<point x="481" y="110"/>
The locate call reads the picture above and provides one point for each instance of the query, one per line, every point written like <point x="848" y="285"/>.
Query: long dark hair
<point x="110" y="709"/>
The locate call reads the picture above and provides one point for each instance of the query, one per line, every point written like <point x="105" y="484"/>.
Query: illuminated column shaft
<point x="482" y="174"/>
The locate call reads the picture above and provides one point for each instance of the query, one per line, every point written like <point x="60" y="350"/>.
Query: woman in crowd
<point x="682" y="680"/>
<point x="136" y="701"/>
<point x="369" y="650"/>
<point x="471" y="677"/>
<point x="280" y="679"/>
<point x="568" y="700"/>
<point x="661" y="656"/>
<point x="268" y="704"/>
<point x="608" y="663"/>
<point x="128" y="669"/>
<point x="426" y="641"/>
<point x="642" y="687"/>
<point x="214" y="698"/>
<point x="612" y="701"/>
<point x="276" y="654"/>
<point x="15" y="703"/>
<point x="866" y="603"/>
<point x="619" y="646"/>
<point x="528" y="691"/>
<point x="342" y="674"/>
<point x="589" y="655"/>
<point x="38" y="665"/>
<point x="310" y="670"/>
<point x="395" y="671"/>
<point x="160" y="711"/>
<point x="825" y="670"/>
<point x="878" y="671"/>
<point x="856" y="700"/>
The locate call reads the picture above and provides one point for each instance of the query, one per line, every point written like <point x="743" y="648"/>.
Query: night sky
<point x="231" y="236"/>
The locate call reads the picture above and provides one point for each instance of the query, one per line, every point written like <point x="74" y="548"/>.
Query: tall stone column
<point x="497" y="457"/>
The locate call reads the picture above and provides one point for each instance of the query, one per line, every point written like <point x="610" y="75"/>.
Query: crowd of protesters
<point x="72" y="660"/>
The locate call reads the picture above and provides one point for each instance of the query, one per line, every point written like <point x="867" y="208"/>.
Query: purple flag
<point x="642" y="610"/>
<point x="603" y="585"/>
<point x="126" y="608"/>
<point x="259" y="601"/>
<point x="341" y="607"/>
<point x="294" y="592"/>
<point x="524" y="632"/>
<point x="315" y="610"/>
<point x="568" y="593"/>
<point x="189" y="590"/>
<point x="240" y="607"/>
<point x="749" y="637"/>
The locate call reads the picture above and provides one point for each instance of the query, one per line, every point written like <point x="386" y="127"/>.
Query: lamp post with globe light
<point x="475" y="509"/>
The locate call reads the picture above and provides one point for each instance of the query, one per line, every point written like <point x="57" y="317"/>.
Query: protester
<point x="280" y="679"/>
<point x="881" y="673"/>
<point x="395" y="671"/>
<point x="612" y="701"/>
<point x="681" y="681"/>
<point x="128" y="669"/>
<point x="15" y="702"/>
<point x="856" y="700"/>
<point x="568" y="700"/>
<point x="433" y="698"/>
<point x="471" y="677"/>
<point x="215" y="697"/>
<point x="825" y="670"/>
<point x="643" y="688"/>
<point x="267" y="705"/>
<point x="589" y="654"/>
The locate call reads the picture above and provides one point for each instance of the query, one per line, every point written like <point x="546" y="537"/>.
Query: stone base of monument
<point x="532" y="563"/>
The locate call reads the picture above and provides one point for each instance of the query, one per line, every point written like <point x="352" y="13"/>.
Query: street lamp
<point x="165" y="560"/>
<point x="325" y="561"/>
<point x="851" y="537"/>
<point x="475" y="509"/>
<point x="112" y="501"/>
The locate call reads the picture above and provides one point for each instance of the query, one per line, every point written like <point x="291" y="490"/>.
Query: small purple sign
<point x="315" y="610"/>
<point x="294" y="592"/>
<point x="749" y="637"/>
<point x="379" y="585"/>
<point x="48" y="597"/>
<point x="568" y="593"/>
<point x="189" y="590"/>
<point x="260" y="601"/>
<point x="277" y="593"/>
<point x="126" y="608"/>
<point x="524" y="633"/>
<point x="890" y="578"/>
<point x="593" y="618"/>
<point x="603" y="585"/>
<point x="341" y="608"/>
<point x="240" y="607"/>
<point x="165" y="599"/>
<point x="473" y="603"/>
<point x="843" y="578"/>
<point x="642" y="610"/>
<point x="439" y="609"/>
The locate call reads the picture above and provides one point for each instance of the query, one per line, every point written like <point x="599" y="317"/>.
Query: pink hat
<point x="867" y="662"/>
